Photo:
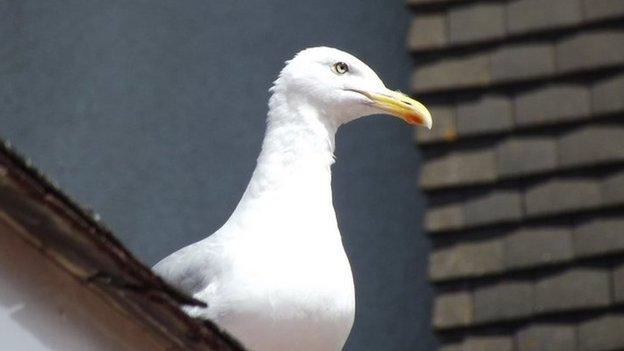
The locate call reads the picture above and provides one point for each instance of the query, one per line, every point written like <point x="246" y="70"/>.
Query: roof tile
<point x="428" y="32"/>
<point x="459" y="72"/>
<point x="523" y="61"/>
<point x="613" y="189"/>
<point x="466" y="259"/>
<point x="532" y="15"/>
<point x="602" y="9"/>
<point x="551" y="337"/>
<point x="586" y="145"/>
<point x="578" y="53"/>
<point x="476" y="22"/>
<point x="552" y="104"/>
<point x="602" y="333"/>
<point x="607" y="95"/>
<point x="599" y="236"/>
<point x="503" y="301"/>
<point x="578" y="288"/>
<point x="494" y="207"/>
<point x="465" y="167"/>
<point x="530" y="247"/>
<point x="488" y="343"/>
<point x="618" y="282"/>
<point x="525" y="155"/>
<point x="561" y="195"/>
<point x="487" y="114"/>
<point x="453" y="310"/>
<point x="445" y="125"/>
<point x="447" y="217"/>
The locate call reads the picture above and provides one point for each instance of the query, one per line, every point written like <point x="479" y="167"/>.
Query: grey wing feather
<point x="188" y="269"/>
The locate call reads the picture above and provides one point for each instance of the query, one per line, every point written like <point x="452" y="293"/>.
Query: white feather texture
<point x="276" y="275"/>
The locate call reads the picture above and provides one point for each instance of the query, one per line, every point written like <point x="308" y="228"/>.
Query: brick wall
<point x="523" y="170"/>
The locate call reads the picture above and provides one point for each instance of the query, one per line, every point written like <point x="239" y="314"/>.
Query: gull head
<point x="344" y="87"/>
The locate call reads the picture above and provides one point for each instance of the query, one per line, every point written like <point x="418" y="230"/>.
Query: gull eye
<point x="341" y="68"/>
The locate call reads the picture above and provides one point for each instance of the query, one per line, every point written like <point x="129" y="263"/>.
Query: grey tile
<point x="530" y="247"/>
<point x="561" y="195"/>
<point x="592" y="144"/>
<point x="427" y="32"/>
<point x="607" y="96"/>
<point x="458" y="168"/>
<point x="618" y="282"/>
<point x="445" y="125"/>
<point x="494" y="207"/>
<point x="476" y="22"/>
<point x="452" y="310"/>
<point x="552" y="104"/>
<point x="578" y="53"/>
<point x="613" y="189"/>
<point x="446" y="217"/>
<point x="466" y="260"/>
<point x="506" y="300"/>
<point x="452" y="73"/>
<point x="518" y="156"/>
<point x="602" y="333"/>
<point x="598" y="237"/>
<point x="602" y="9"/>
<point x="522" y="62"/>
<point x="488" y="343"/>
<point x="578" y="288"/>
<point x="489" y="113"/>
<point x="534" y="15"/>
<point x="551" y="337"/>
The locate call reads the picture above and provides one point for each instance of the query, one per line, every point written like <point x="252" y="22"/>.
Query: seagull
<point x="276" y="275"/>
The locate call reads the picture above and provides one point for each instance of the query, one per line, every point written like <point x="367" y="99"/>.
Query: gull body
<point x="276" y="275"/>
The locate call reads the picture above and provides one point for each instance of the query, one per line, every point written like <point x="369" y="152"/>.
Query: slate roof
<point x="84" y="248"/>
<point x="523" y="170"/>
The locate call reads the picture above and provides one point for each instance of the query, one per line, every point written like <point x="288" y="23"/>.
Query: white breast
<point x="300" y="297"/>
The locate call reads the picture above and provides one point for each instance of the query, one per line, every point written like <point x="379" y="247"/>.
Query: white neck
<point x="292" y="178"/>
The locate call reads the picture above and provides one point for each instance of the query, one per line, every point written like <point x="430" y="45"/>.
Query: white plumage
<point x="275" y="275"/>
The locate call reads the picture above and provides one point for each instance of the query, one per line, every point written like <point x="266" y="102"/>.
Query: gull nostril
<point x="407" y="103"/>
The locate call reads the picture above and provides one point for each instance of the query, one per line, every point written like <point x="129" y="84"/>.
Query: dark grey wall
<point x="152" y="112"/>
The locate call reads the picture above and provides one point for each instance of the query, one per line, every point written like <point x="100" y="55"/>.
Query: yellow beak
<point x="400" y="105"/>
